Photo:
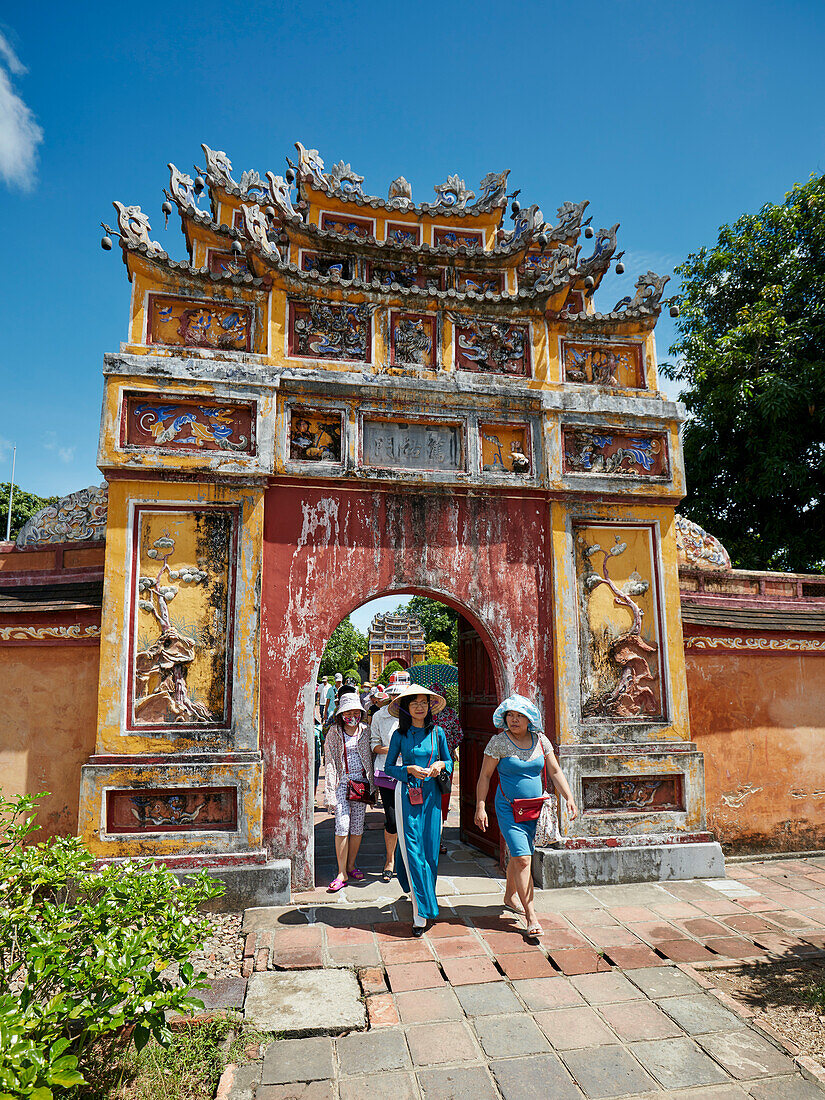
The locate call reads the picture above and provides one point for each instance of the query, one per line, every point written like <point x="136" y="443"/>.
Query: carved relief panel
<point x="407" y="275"/>
<point x="152" y="420"/>
<point x="412" y="446"/>
<point x="492" y="347"/>
<point x="314" y="435"/>
<point x="617" y="365"/>
<point x="226" y="263"/>
<point x="505" y="448"/>
<point x="345" y="223"/>
<point x="199" y="324"/>
<point x="633" y="794"/>
<point x="179" y="810"/>
<point x="413" y="340"/>
<point x="330" y="330"/>
<point x="455" y="238"/>
<point x="403" y="233"/>
<point x="604" y="451"/>
<point x="619" y="621"/>
<point x="183" y="569"/>
<point x="327" y="264"/>
<point x="480" y="282"/>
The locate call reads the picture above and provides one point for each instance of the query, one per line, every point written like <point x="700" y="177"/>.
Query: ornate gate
<point x="477" y="690"/>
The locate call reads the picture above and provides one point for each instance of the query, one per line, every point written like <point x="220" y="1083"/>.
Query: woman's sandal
<point x="517" y="909"/>
<point x="356" y="874"/>
<point x="386" y="874"/>
<point x="338" y="883"/>
<point x="534" y="930"/>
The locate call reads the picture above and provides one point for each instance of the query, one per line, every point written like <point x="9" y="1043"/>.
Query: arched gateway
<point x="338" y="397"/>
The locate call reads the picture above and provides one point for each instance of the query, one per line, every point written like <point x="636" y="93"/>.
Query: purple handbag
<point x="384" y="780"/>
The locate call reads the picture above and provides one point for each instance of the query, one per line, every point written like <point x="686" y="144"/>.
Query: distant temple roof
<point x="396" y="629"/>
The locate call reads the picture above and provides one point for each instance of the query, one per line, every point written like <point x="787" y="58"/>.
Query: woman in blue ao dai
<point x="418" y="752"/>
<point x="521" y="753"/>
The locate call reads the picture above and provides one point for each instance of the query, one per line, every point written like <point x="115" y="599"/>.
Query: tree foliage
<point x="751" y="351"/>
<point x="393" y="666"/>
<point x="23" y="506"/>
<point x="440" y="622"/>
<point x="438" y="653"/>
<point x="344" y="649"/>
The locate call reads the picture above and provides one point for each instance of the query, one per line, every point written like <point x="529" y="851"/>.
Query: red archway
<point x="327" y="551"/>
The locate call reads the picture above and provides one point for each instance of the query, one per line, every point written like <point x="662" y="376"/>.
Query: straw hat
<point x="437" y="704"/>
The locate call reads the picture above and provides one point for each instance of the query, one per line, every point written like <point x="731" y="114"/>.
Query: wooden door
<point x="477" y="694"/>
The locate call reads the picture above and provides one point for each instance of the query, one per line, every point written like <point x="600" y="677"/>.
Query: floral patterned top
<point x="448" y="720"/>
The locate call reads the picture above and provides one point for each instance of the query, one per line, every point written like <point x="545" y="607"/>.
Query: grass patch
<point x="189" y="1068"/>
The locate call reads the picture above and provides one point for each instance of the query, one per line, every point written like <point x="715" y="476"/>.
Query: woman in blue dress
<point x="418" y="752"/>
<point x="520" y="752"/>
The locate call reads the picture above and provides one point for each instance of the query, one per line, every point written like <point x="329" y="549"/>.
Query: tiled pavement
<point x="609" y="1004"/>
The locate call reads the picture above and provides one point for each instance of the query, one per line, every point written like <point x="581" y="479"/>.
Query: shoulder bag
<point x="358" y="790"/>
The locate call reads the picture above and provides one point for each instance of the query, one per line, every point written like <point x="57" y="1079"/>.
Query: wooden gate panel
<point x="477" y="690"/>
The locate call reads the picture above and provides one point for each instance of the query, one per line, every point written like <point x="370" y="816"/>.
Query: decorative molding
<point x="794" y="645"/>
<point x="77" y="517"/>
<point x="75" y="632"/>
<point x="697" y="549"/>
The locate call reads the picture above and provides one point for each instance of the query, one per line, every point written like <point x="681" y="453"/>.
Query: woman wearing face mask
<point x="418" y="752"/>
<point x="347" y="760"/>
<point x="524" y="757"/>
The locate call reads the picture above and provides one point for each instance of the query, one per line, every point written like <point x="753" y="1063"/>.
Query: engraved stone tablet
<point x="412" y="446"/>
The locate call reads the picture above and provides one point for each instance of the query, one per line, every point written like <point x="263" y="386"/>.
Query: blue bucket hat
<point x="522" y="706"/>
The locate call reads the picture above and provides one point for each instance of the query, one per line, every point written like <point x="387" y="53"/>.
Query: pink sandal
<point x="338" y="883"/>
<point x="356" y="874"/>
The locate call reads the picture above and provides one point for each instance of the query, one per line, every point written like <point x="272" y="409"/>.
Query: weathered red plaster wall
<point x="47" y="727"/>
<point x="759" y="718"/>
<point x="328" y="550"/>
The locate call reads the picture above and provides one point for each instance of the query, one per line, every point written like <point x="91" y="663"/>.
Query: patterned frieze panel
<point x="183" y="567"/>
<point x="616" y="365"/>
<point x="408" y="275"/>
<point x="454" y="238"/>
<point x="326" y="263"/>
<point x="191" y="323"/>
<point x="315" y="435"/>
<point x="412" y="446"/>
<point x="492" y="347"/>
<point x="480" y="283"/>
<point x="632" y="794"/>
<point x="620" y="628"/>
<point x="697" y="549"/>
<point x="330" y="330"/>
<point x="152" y="420"/>
<point x="344" y="223"/>
<point x="413" y="340"/>
<point x="605" y="451"/>
<point x="403" y="233"/>
<point x="77" y="517"/>
<point x="505" y="448"/>
<point x="179" y="810"/>
<point x="226" y="263"/>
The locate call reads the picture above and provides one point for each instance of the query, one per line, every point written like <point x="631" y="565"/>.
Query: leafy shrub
<point x="393" y="666"/>
<point x="84" y="953"/>
<point x="437" y="653"/>
<point x="352" y="674"/>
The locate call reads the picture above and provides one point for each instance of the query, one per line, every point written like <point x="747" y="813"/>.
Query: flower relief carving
<point x="412" y="340"/>
<point x="326" y="330"/>
<point x="343" y="179"/>
<point x="599" y="452"/>
<point x="134" y="229"/>
<point x="218" y="167"/>
<point x="697" y="549"/>
<point x="453" y="193"/>
<point x="400" y="194"/>
<point x="493" y="346"/>
<point x="77" y="517"/>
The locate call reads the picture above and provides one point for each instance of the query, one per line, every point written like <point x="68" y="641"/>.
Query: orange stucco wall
<point x="759" y="718"/>
<point x="47" y="727"/>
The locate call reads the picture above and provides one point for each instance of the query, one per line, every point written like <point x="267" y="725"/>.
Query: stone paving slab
<point x="542" y="1075"/>
<point x="509" y="1036"/>
<point x="298" y="1060"/>
<point x="305" y="1002"/>
<point x="786" y="1088"/>
<point x="302" y="1090"/>
<point x="746" y="1055"/>
<point x="700" y="1014"/>
<point x="373" y="1052"/>
<point x="607" y="1072"/>
<point x="574" y="1028"/>
<point x="600" y="989"/>
<point x="639" y="1022"/>
<point x="427" y="1005"/>
<point x="383" y="1086"/>
<point x="540" y="994"/>
<point x="457" y="1083"/>
<point x="664" y="981"/>
<point x="677" y="1063"/>
<point x="488" y="1000"/>
<point x="431" y="1044"/>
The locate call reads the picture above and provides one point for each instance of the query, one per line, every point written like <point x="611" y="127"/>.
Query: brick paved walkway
<point x="609" y="1004"/>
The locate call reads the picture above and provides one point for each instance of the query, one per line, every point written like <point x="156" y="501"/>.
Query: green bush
<point x="393" y="666"/>
<point x="352" y="674"/>
<point x="84" y="954"/>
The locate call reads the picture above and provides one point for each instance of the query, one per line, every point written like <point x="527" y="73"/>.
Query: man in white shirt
<point x="327" y="690"/>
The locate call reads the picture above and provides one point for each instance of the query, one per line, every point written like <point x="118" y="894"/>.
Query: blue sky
<point x="671" y="118"/>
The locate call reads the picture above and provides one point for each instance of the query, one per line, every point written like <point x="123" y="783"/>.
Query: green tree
<point x="393" y="666"/>
<point x="440" y="622"/>
<point x="23" y="506"/>
<point x="344" y="649"/>
<point x="438" y="653"/>
<point x="751" y="351"/>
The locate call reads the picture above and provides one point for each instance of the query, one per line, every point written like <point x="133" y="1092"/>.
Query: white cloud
<point x="20" y="134"/>
<point x="65" y="454"/>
